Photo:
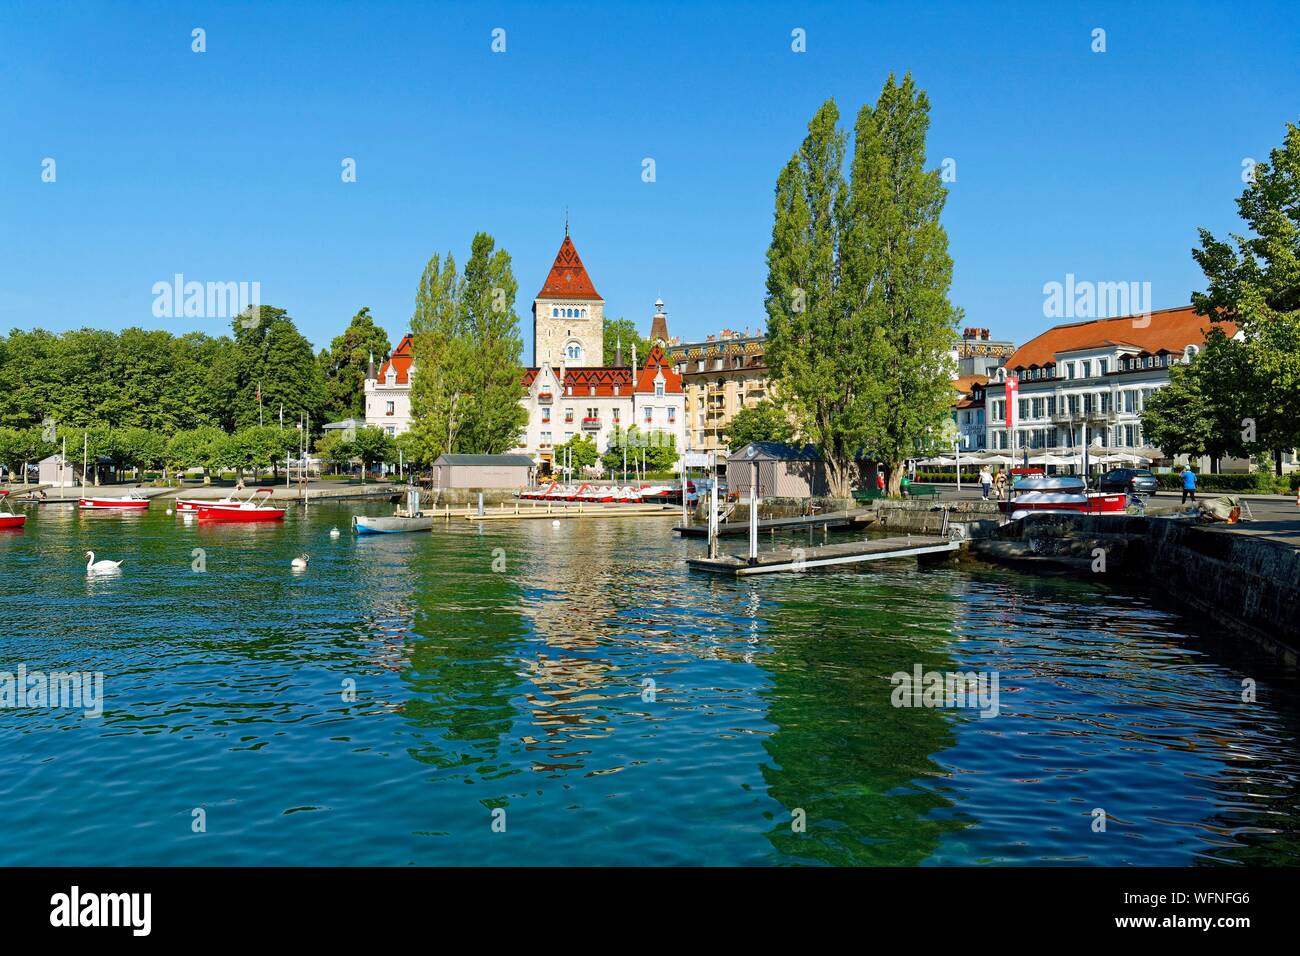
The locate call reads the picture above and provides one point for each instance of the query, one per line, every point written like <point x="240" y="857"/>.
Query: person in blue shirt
<point x="1189" y="484"/>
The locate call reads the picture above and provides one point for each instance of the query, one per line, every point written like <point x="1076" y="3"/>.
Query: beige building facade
<point x="721" y="375"/>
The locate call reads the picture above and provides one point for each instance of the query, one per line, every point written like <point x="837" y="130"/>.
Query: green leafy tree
<point x="439" y="396"/>
<point x="657" y="450"/>
<point x="1254" y="281"/>
<point x="21" y="446"/>
<point x="344" y="365"/>
<point x="859" y="322"/>
<point x="580" y="451"/>
<point x="196" y="448"/>
<point x="762" y="422"/>
<point x="333" y="449"/>
<point x="623" y="331"/>
<point x="495" y="368"/>
<point x="372" y="446"/>
<point x="467" y="351"/>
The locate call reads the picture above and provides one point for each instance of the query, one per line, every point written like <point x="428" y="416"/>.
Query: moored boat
<point x="1060" y="493"/>
<point x="256" y="508"/>
<point x="390" y="524"/>
<point x="8" y="519"/>
<point x="125" y="501"/>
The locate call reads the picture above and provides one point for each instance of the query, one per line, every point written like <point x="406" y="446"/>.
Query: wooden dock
<point x="831" y="519"/>
<point x="827" y="555"/>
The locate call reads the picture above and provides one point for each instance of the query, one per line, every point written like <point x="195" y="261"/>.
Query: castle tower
<point x="568" y="314"/>
<point x="659" y="325"/>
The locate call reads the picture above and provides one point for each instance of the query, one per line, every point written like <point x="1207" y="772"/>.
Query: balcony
<point x="591" y="424"/>
<point x="545" y="398"/>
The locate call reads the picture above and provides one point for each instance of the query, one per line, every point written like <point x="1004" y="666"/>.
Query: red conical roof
<point x="568" y="278"/>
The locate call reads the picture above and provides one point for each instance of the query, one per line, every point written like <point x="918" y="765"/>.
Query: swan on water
<point x="98" y="567"/>
<point x="334" y="532"/>
<point x="300" y="563"/>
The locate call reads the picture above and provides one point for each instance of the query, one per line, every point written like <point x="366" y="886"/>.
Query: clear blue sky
<point x="225" y="165"/>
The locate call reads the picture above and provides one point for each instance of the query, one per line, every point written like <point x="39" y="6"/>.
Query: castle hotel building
<point x="569" y="391"/>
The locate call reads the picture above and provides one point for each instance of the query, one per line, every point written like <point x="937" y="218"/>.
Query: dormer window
<point x="391" y="377"/>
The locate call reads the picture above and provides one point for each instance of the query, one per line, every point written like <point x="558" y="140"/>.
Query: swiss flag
<point x="1013" y="392"/>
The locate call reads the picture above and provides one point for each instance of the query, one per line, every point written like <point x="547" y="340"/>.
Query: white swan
<point x="99" y="567"/>
<point x="300" y="563"/>
<point x="334" y="532"/>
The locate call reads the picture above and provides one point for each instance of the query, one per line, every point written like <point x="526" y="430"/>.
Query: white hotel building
<point x="1086" y="383"/>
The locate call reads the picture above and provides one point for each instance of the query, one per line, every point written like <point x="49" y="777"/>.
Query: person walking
<point x="880" y="480"/>
<point x="1189" y="484"/>
<point x="1001" y="482"/>
<point x="905" y="485"/>
<point x="986" y="481"/>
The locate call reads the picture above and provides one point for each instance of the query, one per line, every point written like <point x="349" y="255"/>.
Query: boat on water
<point x="410" y="518"/>
<point x="8" y="519"/>
<point x="256" y="508"/>
<point x="1060" y="493"/>
<point x="190" y="505"/>
<point x="128" y="501"/>
<point x="390" y="524"/>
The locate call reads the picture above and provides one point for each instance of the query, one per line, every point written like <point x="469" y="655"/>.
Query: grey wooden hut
<point x="482" y="471"/>
<point x="783" y="471"/>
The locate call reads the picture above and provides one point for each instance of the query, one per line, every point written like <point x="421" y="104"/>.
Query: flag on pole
<point x="1013" y="392"/>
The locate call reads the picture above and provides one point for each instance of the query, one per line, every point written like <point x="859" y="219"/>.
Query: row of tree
<point x="167" y="383"/>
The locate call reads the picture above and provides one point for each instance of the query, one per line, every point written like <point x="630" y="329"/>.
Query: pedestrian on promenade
<point x="986" y="481"/>
<point x="1189" y="484"/>
<point x="1001" y="482"/>
<point x="906" y="485"/>
<point x="880" y="479"/>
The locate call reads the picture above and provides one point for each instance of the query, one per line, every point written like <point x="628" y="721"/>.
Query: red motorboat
<point x="126" y="501"/>
<point x="191" y="505"/>
<point x="256" y="508"/>
<point x="7" y="517"/>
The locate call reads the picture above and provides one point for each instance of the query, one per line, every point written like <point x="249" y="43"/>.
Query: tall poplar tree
<point x="813" y="347"/>
<point x="438" y="391"/>
<point x="897" y="274"/>
<point x="859" y="322"/>
<point x="495" y="349"/>
<point x="467" y="354"/>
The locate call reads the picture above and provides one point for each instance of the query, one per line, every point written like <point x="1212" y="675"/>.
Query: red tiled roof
<point x="581" y="379"/>
<point x="1167" y="330"/>
<point x="400" y="359"/>
<point x="655" y="363"/>
<point x="568" y="278"/>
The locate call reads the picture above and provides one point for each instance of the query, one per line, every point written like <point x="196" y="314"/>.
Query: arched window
<point x="573" y="351"/>
<point x="555" y="313"/>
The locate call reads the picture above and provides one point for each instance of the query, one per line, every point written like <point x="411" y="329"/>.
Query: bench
<point x="863" y="495"/>
<point x="923" y="491"/>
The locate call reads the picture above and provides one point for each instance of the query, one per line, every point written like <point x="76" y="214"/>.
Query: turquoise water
<point x="524" y="689"/>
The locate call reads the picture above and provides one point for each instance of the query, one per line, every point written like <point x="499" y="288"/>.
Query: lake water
<point x="617" y="708"/>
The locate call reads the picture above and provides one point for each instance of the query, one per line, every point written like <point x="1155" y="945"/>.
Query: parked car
<point x="1140" y="481"/>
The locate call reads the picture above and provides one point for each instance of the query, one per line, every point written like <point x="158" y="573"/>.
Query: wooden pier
<point x="827" y="555"/>
<point x="831" y="519"/>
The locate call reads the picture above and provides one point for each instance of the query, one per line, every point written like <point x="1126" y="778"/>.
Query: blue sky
<point x="225" y="165"/>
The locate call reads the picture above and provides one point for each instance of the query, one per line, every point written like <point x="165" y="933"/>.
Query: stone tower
<point x="568" y="314"/>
